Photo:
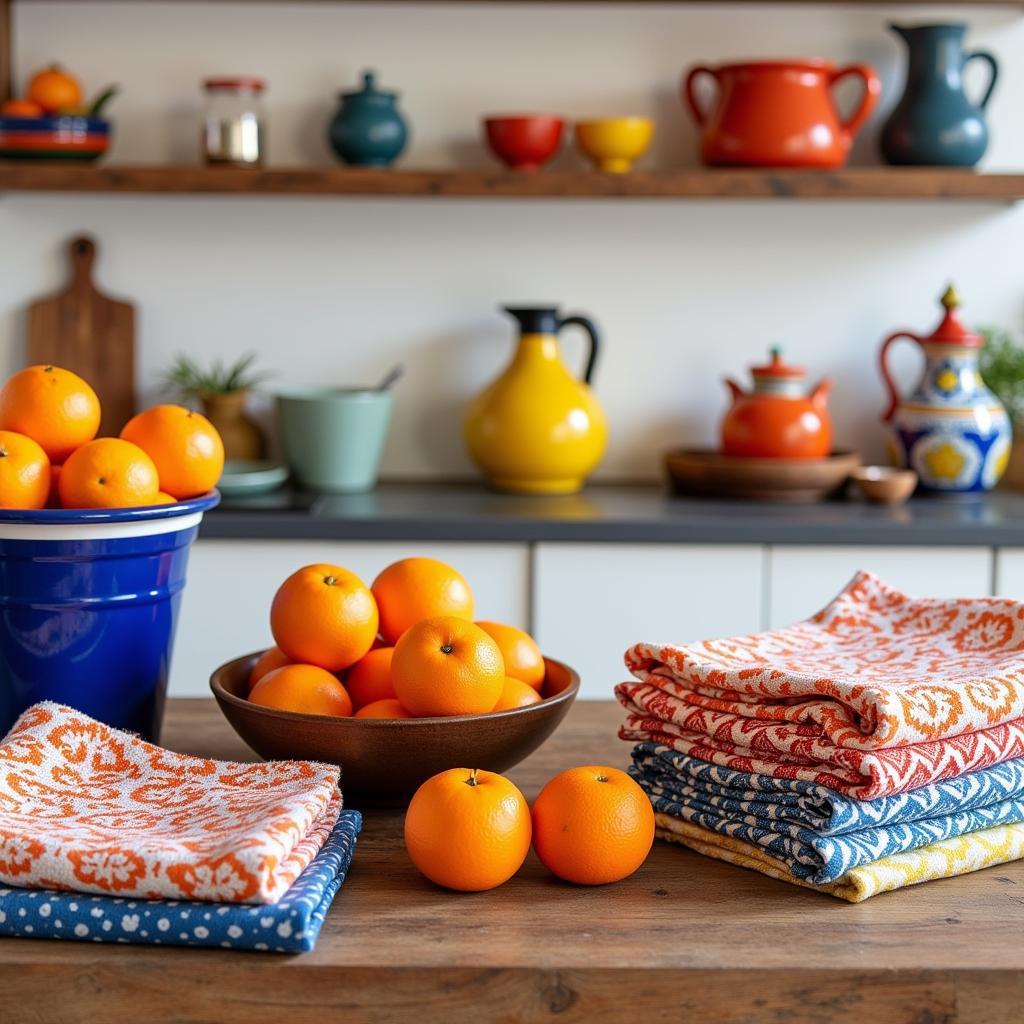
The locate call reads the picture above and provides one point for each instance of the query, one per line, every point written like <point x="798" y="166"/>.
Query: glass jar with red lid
<point x="233" y="121"/>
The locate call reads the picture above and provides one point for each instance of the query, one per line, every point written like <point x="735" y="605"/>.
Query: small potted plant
<point x="1002" y="369"/>
<point x="221" y="391"/>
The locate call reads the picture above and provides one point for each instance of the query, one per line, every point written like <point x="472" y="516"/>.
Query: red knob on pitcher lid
<point x="952" y="331"/>
<point x="778" y="367"/>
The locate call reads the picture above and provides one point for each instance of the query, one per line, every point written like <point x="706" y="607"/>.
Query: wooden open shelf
<point x="697" y="183"/>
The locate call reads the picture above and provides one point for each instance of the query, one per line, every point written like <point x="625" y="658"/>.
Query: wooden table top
<point x="684" y="939"/>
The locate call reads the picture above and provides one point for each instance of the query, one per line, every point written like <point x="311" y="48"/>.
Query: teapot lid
<point x="369" y="90"/>
<point x="778" y="368"/>
<point x="952" y="331"/>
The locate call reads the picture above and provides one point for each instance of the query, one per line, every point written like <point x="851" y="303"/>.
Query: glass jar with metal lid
<point x="233" y="121"/>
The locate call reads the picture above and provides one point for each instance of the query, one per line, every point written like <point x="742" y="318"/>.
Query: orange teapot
<point x="777" y="420"/>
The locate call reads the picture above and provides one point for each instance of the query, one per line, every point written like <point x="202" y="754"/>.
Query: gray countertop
<point x="469" y="512"/>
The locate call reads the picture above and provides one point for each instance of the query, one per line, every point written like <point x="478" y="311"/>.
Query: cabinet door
<point x="1010" y="573"/>
<point x="804" y="579"/>
<point x="592" y="601"/>
<point x="226" y="607"/>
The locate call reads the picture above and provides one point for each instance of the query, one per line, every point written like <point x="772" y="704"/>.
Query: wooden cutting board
<point x="90" y="334"/>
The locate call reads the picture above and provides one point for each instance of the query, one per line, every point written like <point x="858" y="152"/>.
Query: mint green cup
<point x="333" y="438"/>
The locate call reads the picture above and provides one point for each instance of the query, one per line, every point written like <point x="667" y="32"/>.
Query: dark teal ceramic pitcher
<point x="935" y="123"/>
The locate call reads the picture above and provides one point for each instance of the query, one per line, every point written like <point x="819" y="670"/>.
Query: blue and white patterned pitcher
<point x="950" y="429"/>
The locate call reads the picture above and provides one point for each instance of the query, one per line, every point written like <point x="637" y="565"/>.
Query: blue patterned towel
<point x="289" y="926"/>
<point x="819" y="833"/>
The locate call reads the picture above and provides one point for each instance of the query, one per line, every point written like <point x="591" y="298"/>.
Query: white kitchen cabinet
<point x="592" y="601"/>
<point x="1010" y="573"/>
<point x="802" y="580"/>
<point x="226" y="606"/>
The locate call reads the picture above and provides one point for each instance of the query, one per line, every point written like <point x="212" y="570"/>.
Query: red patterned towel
<point x="876" y="694"/>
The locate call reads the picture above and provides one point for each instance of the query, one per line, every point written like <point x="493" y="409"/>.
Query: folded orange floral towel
<point x="88" y="808"/>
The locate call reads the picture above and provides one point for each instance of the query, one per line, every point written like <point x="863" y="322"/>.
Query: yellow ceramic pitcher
<point x="537" y="429"/>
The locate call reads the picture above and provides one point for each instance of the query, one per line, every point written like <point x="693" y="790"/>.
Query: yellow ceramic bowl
<point x="613" y="143"/>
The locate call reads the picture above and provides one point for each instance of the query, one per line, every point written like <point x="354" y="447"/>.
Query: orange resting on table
<point x="304" y="688"/>
<point x="592" y="825"/>
<point x="389" y="707"/>
<point x="447" y="666"/>
<point x="468" y="830"/>
<point x="55" y="407"/>
<point x="369" y="679"/>
<point x="270" y="659"/>
<point x="24" y="472"/>
<point x="108" y="473"/>
<point x="324" y="615"/>
<point x="523" y="659"/>
<point x="414" y="589"/>
<point x="516" y="694"/>
<point x="185" y="447"/>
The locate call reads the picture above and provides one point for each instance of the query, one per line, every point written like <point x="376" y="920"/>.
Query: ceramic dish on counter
<point x="59" y="137"/>
<point x="243" y="477"/>
<point x="885" y="485"/>
<point x="388" y="758"/>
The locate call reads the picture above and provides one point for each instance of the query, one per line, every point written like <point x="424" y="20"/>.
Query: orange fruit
<point x="24" y="472"/>
<point x="21" y="108"/>
<point x="108" y="473"/>
<point x="516" y="694"/>
<point x="163" y="498"/>
<point x="419" y="588"/>
<point x="369" y="679"/>
<point x="270" y="659"/>
<point x="308" y="689"/>
<point x="324" y="615"/>
<point x="187" y="450"/>
<point x="386" y="708"/>
<point x="592" y="825"/>
<point x="523" y="659"/>
<point x="447" y="666"/>
<point x="467" y="829"/>
<point x="55" y="90"/>
<point x="55" y="407"/>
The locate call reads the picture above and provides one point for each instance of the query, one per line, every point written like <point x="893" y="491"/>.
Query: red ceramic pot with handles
<point x="778" y="113"/>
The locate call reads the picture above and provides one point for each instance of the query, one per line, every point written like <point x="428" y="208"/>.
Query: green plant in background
<point x="188" y="380"/>
<point x="1002" y="369"/>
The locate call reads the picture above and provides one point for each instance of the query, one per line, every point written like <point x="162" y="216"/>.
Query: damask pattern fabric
<point x="88" y="808"/>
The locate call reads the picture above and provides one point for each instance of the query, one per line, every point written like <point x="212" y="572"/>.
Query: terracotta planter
<point x="242" y="438"/>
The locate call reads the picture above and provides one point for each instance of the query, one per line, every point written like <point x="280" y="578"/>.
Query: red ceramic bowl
<point x="526" y="142"/>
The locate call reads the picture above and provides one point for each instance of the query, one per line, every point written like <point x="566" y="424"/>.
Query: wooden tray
<point x="710" y="474"/>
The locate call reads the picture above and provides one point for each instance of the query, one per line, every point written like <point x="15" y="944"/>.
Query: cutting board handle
<point x="82" y="250"/>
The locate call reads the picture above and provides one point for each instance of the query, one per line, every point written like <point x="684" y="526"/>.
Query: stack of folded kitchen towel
<point x="874" y="746"/>
<point x="107" y="838"/>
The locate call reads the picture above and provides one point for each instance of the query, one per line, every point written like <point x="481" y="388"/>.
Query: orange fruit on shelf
<point x="55" y="90"/>
<point x="308" y="689"/>
<point x="414" y="589"/>
<point x="108" y="473"/>
<point x="592" y="825"/>
<point x="21" y="108"/>
<point x="369" y="679"/>
<point x="55" y="407"/>
<point x="324" y="615"/>
<point x="523" y="659"/>
<point x="186" y="447"/>
<point x="516" y="694"/>
<point x="271" y="658"/>
<point x="24" y="472"/>
<point x="386" y="708"/>
<point x="447" y="666"/>
<point x="467" y="829"/>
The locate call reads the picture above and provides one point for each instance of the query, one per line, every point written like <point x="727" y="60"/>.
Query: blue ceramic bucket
<point x="89" y="599"/>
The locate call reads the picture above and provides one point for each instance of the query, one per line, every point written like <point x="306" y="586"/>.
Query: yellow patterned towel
<point x="944" y="859"/>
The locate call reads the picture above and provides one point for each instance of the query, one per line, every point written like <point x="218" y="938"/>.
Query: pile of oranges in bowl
<point x="50" y="456"/>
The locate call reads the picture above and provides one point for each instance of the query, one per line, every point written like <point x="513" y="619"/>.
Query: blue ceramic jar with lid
<point x="368" y="130"/>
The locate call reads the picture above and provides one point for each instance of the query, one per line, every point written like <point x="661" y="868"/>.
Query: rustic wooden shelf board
<point x="697" y="183"/>
<point x="684" y="939"/>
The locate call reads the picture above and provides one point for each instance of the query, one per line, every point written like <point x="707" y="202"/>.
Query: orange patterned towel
<point x="88" y="808"/>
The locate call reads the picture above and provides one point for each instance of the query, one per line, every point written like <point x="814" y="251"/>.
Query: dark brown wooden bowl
<point x="386" y="759"/>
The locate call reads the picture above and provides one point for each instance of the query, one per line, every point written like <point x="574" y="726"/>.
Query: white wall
<point x="339" y="289"/>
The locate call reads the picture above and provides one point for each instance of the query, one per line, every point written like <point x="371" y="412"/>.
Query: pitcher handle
<point x="993" y="64"/>
<point x="590" y="327"/>
<point x="872" y="90"/>
<point x="690" y="93"/>
<point x="883" y="364"/>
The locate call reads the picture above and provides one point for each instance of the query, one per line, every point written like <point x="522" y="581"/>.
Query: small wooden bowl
<point x="884" y="484"/>
<point x="385" y="759"/>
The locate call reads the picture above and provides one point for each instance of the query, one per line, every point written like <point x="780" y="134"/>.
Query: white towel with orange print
<point x="88" y="808"/>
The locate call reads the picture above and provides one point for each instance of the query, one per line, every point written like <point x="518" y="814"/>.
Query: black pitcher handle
<point x="595" y="339"/>
<point x="993" y="65"/>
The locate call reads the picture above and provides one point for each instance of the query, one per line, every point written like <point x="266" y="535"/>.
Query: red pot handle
<point x="883" y="365"/>
<point x="690" y="94"/>
<point x="872" y="90"/>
